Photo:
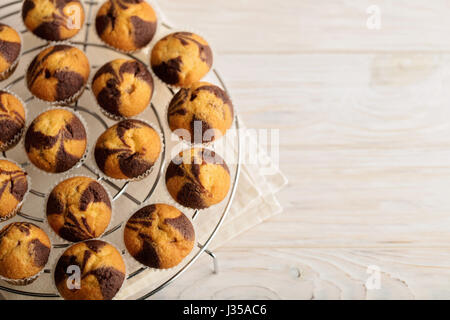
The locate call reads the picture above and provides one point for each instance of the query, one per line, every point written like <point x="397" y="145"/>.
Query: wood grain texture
<point x="365" y="140"/>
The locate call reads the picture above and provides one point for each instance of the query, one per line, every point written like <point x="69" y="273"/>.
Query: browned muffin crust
<point x="123" y="87"/>
<point x="102" y="271"/>
<point x="128" y="149"/>
<point x="12" y="119"/>
<point x="55" y="140"/>
<point x="13" y="187"/>
<point x="159" y="236"/>
<point x="78" y="209"/>
<point x="10" y="46"/>
<point x="58" y="73"/>
<point x="127" y="25"/>
<point x="198" y="178"/>
<point x="203" y="110"/>
<point x="24" y="250"/>
<point x="53" y="20"/>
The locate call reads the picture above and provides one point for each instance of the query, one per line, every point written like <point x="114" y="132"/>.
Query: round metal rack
<point x="16" y="83"/>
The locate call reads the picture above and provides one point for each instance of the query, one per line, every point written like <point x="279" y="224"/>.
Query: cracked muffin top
<point x="10" y="45"/>
<point x="181" y="58"/>
<point x="78" y="209"/>
<point x="127" y="25"/>
<point x="101" y="267"/>
<point x="58" y="74"/>
<point x="56" y="140"/>
<point x="13" y="187"/>
<point x="128" y="149"/>
<point x="53" y="20"/>
<point x="159" y="236"/>
<point x="24" y="250"/>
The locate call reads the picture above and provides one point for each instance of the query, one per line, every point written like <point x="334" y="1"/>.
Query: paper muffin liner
<point x="55" y="235"/>
<point x="190" y="143"/>
<point x="24" y="27"/>
<point x="103" y="175"/>
<point x="185" y="29"/>
<point x="29" y="280"/>
<point x="116" y="117"/>
<point x="83" y="157"/>
<point x="158" y="26"/>
<point x="16" y="139"/>
<point x="66" y="102"/>
<point x="8" y="72"/>
<point x="72" y="244"/>
<point x="20" y="204"/>
<point x="141" y="265"/>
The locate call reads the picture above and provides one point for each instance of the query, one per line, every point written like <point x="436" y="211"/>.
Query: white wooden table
<point x="365" y="141"/>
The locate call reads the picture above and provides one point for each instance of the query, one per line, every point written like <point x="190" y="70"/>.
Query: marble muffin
<point x="24" y="251"/>
<point x="198" y="178"/>
<point x="123" y="88"/>
<point x="159" y="236"/>
<point x="58" y="74"/>
<point x="53" y="20"/>
<point x="12" y="120"/>
<point x="102" y="271"/>
<point x="56" y="140"/>
<point x="10" y="46"/>
<point x="78" y="209"/>
<point x="181" y="58"/>
<point x="127" y="25"/>
<point x="127" y="150"/>
<point x="13" y="187"/>
<point x="201" y="113"/>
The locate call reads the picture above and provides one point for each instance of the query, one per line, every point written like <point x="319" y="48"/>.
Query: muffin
<point x="127" y="150"/>
<point x="55" y="141"/>
<point x="58" y="74"/>
<point x="24" y="252"/>
<point x="102" y="271"/>
<point x="201" y="113"/>
<point x="127" y="25"/>
<point x="53" y="20"/>
<point x="78" y="209"/>
<point x="159" y="236"/>
<point x="13" y="187"/>
<point x="12" y="120"/>
<point x="10" y="46"/>
<point x="123" y="88"/>
<point x="198" y="178"/>
<point x="181" y="58"/>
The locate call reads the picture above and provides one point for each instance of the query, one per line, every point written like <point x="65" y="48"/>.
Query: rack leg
<point x="215" y="261"/>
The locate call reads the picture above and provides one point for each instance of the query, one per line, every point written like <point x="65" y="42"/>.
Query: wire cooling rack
<point x="127" y="196"/>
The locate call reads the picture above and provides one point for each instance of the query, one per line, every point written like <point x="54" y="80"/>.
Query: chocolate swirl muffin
<point x="13" y="187"/>
<point x="127" y="150"/>
<point x="79" y="209"/>
<point x="10" y="45"/>
<point x="53" y="20"/>
<point x="159" y="236"/>
<point x="55" y="141"/>
<point x="102" y="271"/>
<point x="198" y="178"/>
<point x="24" y="251"/>
<point x="12" y="120"/>
<point x="58" y="74"/>
<point x="181" y="58"/>
<point x="127" y="25"/>
<point x="123" y="88"/>
<point x="201" y="113"/>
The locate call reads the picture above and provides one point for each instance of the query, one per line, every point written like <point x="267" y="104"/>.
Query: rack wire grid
<point x="150" y="189"/>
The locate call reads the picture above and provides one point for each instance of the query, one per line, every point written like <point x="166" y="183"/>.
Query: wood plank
<point x="292" y="26"/>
